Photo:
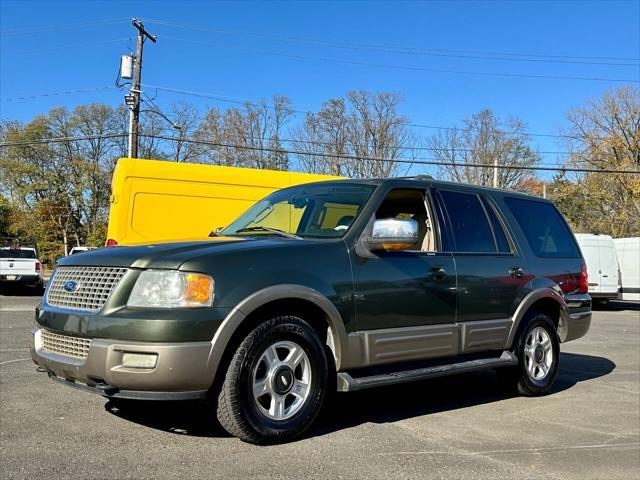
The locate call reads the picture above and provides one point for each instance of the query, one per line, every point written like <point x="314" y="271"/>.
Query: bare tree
<point x="250" y="136"/>
<point x="481" y="144"/>
<point x="323" y="139"/>
<point x="605" y="134"/>
<point x="365" y="127"/>
<point x="186" y="117"/>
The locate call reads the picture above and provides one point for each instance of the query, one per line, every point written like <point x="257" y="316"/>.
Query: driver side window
<point x="410" y="204"/>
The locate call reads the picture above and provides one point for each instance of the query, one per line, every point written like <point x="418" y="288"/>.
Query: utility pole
<point x="495" y="171"/>
<point x="134" y="117"/>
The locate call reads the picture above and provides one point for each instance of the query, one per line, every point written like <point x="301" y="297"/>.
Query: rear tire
<point x="275" y="384"/>
<point x="538" y="352"/>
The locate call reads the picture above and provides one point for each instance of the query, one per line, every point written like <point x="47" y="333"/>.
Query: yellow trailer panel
<point x="159" y="201"/>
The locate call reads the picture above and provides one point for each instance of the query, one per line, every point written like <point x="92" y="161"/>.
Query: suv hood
<point x="167" y="255"/>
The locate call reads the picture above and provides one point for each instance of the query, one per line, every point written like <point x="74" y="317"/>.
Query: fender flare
<point x="527" y="302"/>
<point x="235" y="318"/>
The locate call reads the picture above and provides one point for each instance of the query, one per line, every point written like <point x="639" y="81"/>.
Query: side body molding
<point x="337" y="339"/>
<point x="528" y="301"/>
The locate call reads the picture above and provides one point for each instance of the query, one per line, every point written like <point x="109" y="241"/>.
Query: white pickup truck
<point x="20" y="266"/>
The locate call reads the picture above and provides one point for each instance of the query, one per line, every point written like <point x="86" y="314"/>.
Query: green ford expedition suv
<point x="334" y="285"/>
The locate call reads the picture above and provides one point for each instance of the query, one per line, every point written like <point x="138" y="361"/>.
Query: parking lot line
<point x="16" y="360"/>
<point x="519" y="450"/>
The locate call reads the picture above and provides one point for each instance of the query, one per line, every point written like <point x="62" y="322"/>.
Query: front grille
<point x="93" y="285"/>
<point x="65" y="345"/>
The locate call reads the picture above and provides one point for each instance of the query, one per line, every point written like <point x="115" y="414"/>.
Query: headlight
<point x="171" y="289"/>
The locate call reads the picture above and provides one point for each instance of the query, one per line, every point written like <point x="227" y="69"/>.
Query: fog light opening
<point x="139" y="360"/>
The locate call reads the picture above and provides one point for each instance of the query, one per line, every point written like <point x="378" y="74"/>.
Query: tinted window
<point x="17" y="253"/>
<point x="470" y="228"/>
<point x="546" y="231"/>
<point x="498" y="230"/>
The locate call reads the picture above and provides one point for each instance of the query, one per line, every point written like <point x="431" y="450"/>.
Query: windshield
<point x="16" y="253"/>
<point x="306" y="211"/>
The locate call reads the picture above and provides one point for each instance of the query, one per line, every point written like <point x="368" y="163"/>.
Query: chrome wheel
<point x="538" y="354"/>
<point x="281" y="380"/>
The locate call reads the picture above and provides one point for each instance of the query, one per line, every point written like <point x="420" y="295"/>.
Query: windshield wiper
<point x="276" y="231"/>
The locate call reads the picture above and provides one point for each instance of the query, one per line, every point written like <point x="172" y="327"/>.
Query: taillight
<point x="38" y="267"/>
<point x="583" y="283"/>
<point x="111" y="243"/>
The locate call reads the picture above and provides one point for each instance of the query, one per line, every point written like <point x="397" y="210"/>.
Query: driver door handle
<point x="438" y="273"/>
<point x="516" y="272"/>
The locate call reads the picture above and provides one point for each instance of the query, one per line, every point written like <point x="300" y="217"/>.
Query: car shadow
<point x="20" y="291"/>
<point x="378" y="405"/>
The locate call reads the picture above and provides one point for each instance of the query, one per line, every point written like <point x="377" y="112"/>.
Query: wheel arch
<point x="544" y="300"/>
<point x="309" y="304"/>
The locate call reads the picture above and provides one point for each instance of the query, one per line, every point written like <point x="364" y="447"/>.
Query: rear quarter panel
<point x="542" y="272"/>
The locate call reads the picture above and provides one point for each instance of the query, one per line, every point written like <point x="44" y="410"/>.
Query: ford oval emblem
<point x="71" y="286"/>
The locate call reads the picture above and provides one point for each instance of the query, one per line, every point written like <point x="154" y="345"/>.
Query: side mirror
<point x="393" y="234"/>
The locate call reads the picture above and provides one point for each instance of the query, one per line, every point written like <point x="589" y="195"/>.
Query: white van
<point x="628" y="251"/>
<point x="599" y="252"/>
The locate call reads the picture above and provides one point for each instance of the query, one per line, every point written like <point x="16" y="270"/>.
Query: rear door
<point x="492" y="273"/>
<point x="608" y="265"/>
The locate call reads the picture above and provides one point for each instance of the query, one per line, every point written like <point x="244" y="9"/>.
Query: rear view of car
<point x="602" y="263"/>
<point x="628" y="252"/>
<point x="20" y="267"/>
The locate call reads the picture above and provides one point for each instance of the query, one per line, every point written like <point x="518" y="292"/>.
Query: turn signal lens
<point x="199" y="288"/>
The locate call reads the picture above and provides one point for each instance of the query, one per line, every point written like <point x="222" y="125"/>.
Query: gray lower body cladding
<point x="182" y="370"/>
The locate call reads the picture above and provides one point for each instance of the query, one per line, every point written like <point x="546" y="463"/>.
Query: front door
<point x="409" y="288"/>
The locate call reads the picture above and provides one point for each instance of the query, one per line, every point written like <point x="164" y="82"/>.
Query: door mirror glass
<point x="393" y="234"/>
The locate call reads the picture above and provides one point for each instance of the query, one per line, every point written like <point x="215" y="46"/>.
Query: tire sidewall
<point x="295" y="330"/>
<point x="542" y="386"/>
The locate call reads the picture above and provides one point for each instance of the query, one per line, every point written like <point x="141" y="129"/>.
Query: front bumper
<point x="575" y="320"/>
<point x="183" y="370"/>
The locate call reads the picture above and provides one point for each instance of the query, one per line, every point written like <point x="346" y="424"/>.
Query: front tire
<point x="275" y="384"/>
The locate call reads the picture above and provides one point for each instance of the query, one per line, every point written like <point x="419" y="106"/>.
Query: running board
<point x="347" y="383"/>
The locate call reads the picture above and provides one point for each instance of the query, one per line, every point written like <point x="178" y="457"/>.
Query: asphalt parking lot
<point x="467" y="426"/>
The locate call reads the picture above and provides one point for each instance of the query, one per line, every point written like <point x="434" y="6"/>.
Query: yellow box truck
<point x="155" y="201"/>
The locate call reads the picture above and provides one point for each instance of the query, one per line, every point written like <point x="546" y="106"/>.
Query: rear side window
<point x="546" y="231"/>
<point x="470" y="227"/>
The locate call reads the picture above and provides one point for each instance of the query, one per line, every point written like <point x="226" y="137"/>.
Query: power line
<point x="42" y="141"/>
<point x="408" y="50"/>
<point x="380" y="159"/>
<point x="65" y="26"/>
<point x="443" y="70"/>
<point x="418" y="69"/>
<point x="223" y="98"/>
<point x="75" y="45"/>
<point x="418" y="161"/>
<point x="54" y="94"/>
<point x="428" y="149"/>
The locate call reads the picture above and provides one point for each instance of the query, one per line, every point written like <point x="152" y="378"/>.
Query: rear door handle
<point x="516" y="272"/>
